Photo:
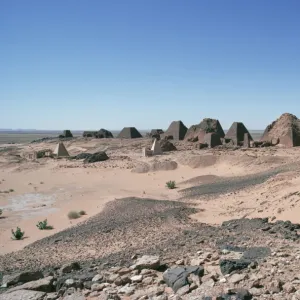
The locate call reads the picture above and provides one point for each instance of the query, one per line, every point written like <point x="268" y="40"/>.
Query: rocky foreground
<point x="148" y="249"/>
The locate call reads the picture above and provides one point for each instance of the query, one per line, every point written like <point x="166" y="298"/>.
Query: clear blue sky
<point x="113" y="63"/>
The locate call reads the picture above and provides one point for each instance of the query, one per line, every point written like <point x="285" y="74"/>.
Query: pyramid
<point x="129" y="133"/>
<point x="156" y="131"/>
<point x="156" y="149"/>
<point x="89" y="133"/>
<point x="237" y="132"/>
<point x="60" y="150"/>
<point x="177" y="130"/>
<point x="197" y="132"/>
<point x="103" y="133"/>
<point x="286" y="129"/>
<point x="67" y="133"/>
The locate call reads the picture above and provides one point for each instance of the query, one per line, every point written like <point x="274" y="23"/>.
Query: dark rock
<point x="9" y="280"/>
<point x="68" y="268"/>
<point x="98" y="156"/>
<point x="229" y="265"/>
<point x="166" y="146"/>
<point x="238" y="294"/>
<point x="201" y="146"/>
<point x="83" y="155"/>
<point x="41" y="285"/>
<point x="177" y="277"/>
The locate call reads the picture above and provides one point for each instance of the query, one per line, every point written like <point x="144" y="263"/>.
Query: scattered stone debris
<point x="95" y="157"/>
<point x="166" y="145"/>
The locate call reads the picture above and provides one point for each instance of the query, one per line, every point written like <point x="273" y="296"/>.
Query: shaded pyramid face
<point x="237" y="133"/>
<point x="60" y="150"/>
<point x="156" y="148"/>
<point x="176" y="129"/>
<point x="129" y="133"/>
<point x="286" y="129"/>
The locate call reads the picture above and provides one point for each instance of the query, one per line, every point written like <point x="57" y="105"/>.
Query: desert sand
<point x="50" y="188"/>
<point x="212" y="186"/>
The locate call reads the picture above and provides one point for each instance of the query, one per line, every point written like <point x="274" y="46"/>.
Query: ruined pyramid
<point x="286" y="129"/>
<point x="197" y="132"/>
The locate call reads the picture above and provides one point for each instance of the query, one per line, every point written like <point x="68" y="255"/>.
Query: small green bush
<point x="82" y="213"/>
<point x="1" y="211"/>
<point x="171" y="185"/>
<point x="43" y="225"/>
<point x="18" y="234"/>
<point x="11" y="190"/>
<point x="73" y="215"/>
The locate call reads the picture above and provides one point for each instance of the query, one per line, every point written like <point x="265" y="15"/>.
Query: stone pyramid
<point x="237" y="133"/>
<point x="177" y="130"/>
<point x="197" y="132"/>
<point x="156" y="149"/>
<point x="103" y="133"/>
<point x="286" y="129"/>
<point x="67" y="133"/>
<point x="129" y="133"/>
<point x="60" y="150"/>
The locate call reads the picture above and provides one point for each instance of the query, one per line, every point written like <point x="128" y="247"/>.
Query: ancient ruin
<point x="103" y="133"/>
<point x="156" y="148"/>
<point x="212" y="139"/>
<point x="197" y="132"/>
<point x="129" y="133"/>
<point x="285" y="130"/>
<point x="237" y="132"/>
<point x="176" y="131"/>
<point x="60" y="150"/>
<point x="89" y="133"/>
<point x="246" y="142"/>
<point x="67" y="134"/>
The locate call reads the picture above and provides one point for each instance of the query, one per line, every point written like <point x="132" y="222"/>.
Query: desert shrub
<point x="171" y="185"/>
<point x="11" y="190"/>
<point x="82" y="212"/>
<point x="1" y="211"/>
<point x="73" y="215"/>
<point x="18" y="234"/>
<point x="43" y="225"/>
